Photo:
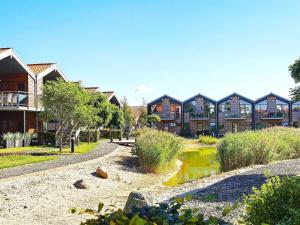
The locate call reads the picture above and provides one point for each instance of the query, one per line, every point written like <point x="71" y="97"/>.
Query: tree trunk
<point x="61" y="137"/>
<point x="89" y="136"/>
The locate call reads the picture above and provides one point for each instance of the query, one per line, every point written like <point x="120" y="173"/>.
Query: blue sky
<point x="149" y="48"/>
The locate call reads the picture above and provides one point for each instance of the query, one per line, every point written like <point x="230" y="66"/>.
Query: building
<point x="169" y="110"/>
<point x="233" y="113"/>
<point x="272" y="110"/>
<point x="20" y="88"/>
<point x="199" y="115"/>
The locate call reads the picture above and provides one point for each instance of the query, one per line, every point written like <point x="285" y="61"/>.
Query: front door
<point x="235" y="126"/>
<point x="166" y="127"/>
<point x="199" y="127"/>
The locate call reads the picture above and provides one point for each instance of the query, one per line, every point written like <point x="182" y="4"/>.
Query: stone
<point x="101" y="172"/>
<point x="137" y="200"/>
<point x="80" y="184"/>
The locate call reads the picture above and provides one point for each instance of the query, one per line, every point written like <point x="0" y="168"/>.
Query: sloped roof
<point x="91" y="89"/>
<point x="164" y="96"/>
<point x="4" y="49"/>
<point x="199" y="95"/>
<point x="272" y="94"/>
<point x="39" y="67"/>
<point x="109" y="94"/>
<point x="235" y="94"/>
<point x="136" y="111"/>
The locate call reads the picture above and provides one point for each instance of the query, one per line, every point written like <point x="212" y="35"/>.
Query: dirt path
<point x="45" y="197"/>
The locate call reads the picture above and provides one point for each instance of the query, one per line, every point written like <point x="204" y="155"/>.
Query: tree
<point x="117" y="120"/>
<point x="295" y="74"/>
<point x="128" y="116"/>
<point x="143" y="118"/>
<point x="103" y="107"/>
<point x="68" y="104"/>
<point x="153" y="118"/>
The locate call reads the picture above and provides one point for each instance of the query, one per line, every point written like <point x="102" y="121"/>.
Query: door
<point x="235" y="127"/>
<point x="166" y="127"/>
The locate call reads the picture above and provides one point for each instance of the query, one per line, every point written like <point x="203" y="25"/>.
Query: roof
<point x="39" y="67"/>
<point x="91" y="89"/>
<point x="235" y="94"/>
<point x="296" y="103"/>
<point x="4" y="49"/>
<point x="109" y="94"/>
<point x="199" y="95"/>
<point x="272" y="94"/>
<point x="164" y="96"/>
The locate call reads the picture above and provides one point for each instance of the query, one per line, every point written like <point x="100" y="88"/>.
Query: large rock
<point x="137" y="200"/>
<point x="80" y="184"/>
<point x="101" y="172"/>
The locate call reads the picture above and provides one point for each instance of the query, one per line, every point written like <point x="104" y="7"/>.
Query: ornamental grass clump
<point x="258" y="147"/>
<point x="208" y="140"/>
<point x="157" y="150"/>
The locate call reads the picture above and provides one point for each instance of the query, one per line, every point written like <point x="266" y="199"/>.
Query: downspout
<point x="253" y="117"/>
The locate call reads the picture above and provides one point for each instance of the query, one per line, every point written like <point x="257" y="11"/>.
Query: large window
<point x="279" y="109"/>
<point x="244" y="109"/>
<point x="204" y="110"/>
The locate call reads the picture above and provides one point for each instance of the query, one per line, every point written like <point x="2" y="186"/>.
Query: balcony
<point x="167" y="116"/>
<point x="240" y="116"/>
<point x="16" y="100"/>
<point x="272" y="115"/>
<point x="198" y="116"/>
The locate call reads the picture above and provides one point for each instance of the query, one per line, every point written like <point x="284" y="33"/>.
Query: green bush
<point x="156" y="150"/>
<point x="209" y="140"/>
<point x="276" y="203"/>
<point x="258" y="147"/>
<point x="163" y="214"/>
<point x="94" y="136"/>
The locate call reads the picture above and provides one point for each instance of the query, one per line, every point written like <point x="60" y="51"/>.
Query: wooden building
<point x="20" y="88"/>
<point x="199" y="115"/>
<point x="169" y="110"/>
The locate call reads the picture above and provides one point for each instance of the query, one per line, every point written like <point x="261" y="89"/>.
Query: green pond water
<point x="196" y="163"/>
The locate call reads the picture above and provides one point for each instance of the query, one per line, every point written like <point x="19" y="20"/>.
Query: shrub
<point x="94" y="136"/>
<point x="164" y="213"/>
<point x="258" y="147"/>
<point x="277" y="202"/>
<point x="156" y="150"/>
<point x="209" y="140"/>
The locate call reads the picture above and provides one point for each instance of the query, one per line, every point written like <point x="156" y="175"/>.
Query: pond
<point x="196" y="163"/>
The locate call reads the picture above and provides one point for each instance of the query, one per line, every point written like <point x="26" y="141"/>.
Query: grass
<point x="51" y="153"/>
<point x="297" y="178"/>
<point x="17" y="160"/>
<point x="208" y="140"/>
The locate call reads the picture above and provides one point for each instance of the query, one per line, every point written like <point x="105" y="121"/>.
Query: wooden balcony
<point x="167" y="116"/>
<point x="10" y="100"/>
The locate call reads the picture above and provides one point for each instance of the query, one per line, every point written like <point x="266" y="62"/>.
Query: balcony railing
<point x="272" y="115"/>
<point x="167" y="116"/>
<point x="17" y="99"/>
<point x="199" y="116"/>
<point x="229" y="115"/>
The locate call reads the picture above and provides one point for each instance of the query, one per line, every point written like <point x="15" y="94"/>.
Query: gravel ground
<point x="102" y="149"/>
<point x="45" y="197"/>
<point x="229" y="187"/>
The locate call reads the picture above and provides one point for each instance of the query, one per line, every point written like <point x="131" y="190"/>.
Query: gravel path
<point x="229" y="187"/>
<point x="102" y="149"/>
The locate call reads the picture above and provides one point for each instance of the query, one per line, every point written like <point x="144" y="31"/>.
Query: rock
<point x="80" y="184"/>
<point x="137" y="200"/>
<point x="101" y="172"/>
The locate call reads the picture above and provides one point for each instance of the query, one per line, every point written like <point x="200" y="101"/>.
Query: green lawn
<point x="17" y="160"/>
<point x="297" y="178"/>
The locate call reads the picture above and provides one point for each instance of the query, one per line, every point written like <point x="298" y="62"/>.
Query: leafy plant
<point x="162" y="214"/>
<point x="276" y="202"/>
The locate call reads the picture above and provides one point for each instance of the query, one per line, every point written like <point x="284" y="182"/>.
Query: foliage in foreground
<point x="258" y="147"/>
<point x="277" y="202"/>
<point x="162" y="214"/>
<point x="209" y="140"/>
<point x="156" y="149"/>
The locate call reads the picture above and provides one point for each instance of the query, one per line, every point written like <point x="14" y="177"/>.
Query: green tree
<point x="117" y="120"/>
<point x="153" y="118"/>
<point x="103" y="107"/>
<point x="129" y="120"/>
<point x="143" y="118"/>
<point x="67" y="103"/>
<point x="295" y="74"/>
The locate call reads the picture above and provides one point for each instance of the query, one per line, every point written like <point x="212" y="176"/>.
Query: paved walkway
<point x="102" y="149"/>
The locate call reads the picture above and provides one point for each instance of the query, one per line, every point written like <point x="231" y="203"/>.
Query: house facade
<point x="272" y="110"/>
<point x="233" y="113"/>
<point x="199" y="115"/>
<point x="169" y="110"/>
<point x="20" y="88"/>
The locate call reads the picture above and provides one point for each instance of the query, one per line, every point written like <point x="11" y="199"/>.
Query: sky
<point x="144" y="49"/>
